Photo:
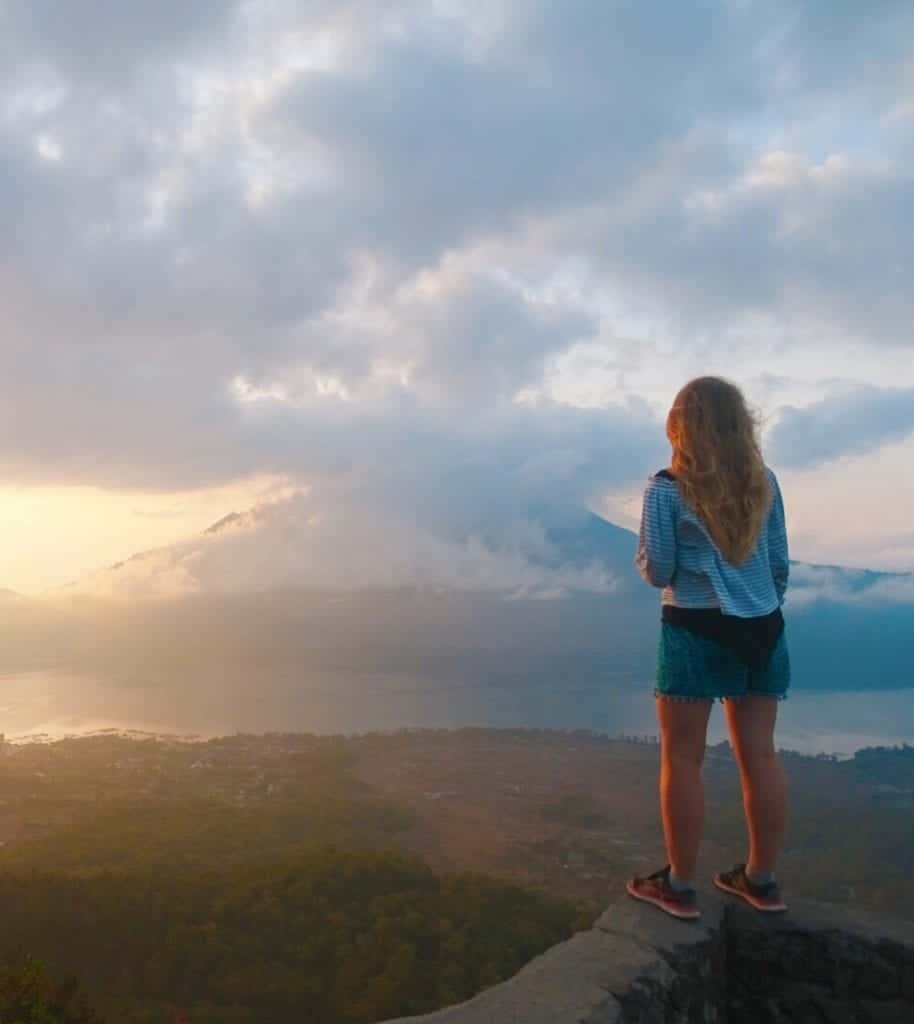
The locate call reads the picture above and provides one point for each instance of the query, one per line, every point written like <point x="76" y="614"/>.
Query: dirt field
<point x="570" y="813"/>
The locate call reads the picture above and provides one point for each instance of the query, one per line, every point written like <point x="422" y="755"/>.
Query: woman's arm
<point x="778" y="556"/>
<point x="656" y="557"/>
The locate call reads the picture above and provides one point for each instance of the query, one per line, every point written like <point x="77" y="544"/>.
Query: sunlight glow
<point x="110" y="526"/>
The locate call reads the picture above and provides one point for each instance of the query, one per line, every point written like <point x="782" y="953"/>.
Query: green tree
<point x="27" y="995"/>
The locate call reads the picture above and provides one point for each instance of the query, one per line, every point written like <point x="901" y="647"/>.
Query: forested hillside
<point x="221" y="895"/>
<point x="342" y="937"/>
<point x="284" y="877"/>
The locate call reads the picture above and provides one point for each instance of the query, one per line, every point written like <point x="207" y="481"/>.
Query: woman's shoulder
<point x="662" y="483"/>
<point x="772" y="479"/>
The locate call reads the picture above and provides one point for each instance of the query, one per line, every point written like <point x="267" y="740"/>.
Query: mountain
<point x="580" y="612"/>
<point x="849" y="629"/>
<point x="597" y="538"/>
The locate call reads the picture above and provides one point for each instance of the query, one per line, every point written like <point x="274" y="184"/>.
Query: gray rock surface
<point x="819" y="964"/>
<point x="815" y="964"/>
<point x="631" y="962"/>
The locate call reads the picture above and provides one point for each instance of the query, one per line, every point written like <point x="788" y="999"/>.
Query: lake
<point x="58" y="704"/>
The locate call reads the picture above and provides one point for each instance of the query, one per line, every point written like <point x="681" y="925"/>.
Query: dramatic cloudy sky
<point x="404" y="270"/>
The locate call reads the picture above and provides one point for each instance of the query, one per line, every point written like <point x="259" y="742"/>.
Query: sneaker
<point x="765" y="897"/>
<point x="656" y="889"/>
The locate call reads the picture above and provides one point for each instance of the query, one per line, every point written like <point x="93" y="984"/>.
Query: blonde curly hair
<point x="718" y="463"/>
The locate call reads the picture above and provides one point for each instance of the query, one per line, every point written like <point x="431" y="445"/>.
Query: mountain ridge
<point x="600" y="537"/>
<point x="574" y="608"/>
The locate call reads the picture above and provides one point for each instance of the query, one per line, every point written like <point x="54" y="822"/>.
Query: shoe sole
<point x="767" y="908"/>
<point x="682" y="915"/>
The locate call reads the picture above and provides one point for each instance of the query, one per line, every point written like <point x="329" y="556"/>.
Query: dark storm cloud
<point x="851" y="423"/>
<point x="445" y="145"/>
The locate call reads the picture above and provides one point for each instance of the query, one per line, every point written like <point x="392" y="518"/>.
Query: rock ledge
<point x="815" y="964"/>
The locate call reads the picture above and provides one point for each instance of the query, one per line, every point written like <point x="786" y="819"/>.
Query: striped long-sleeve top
<point x="676" y="552"/>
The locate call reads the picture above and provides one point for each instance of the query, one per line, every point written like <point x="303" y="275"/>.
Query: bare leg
<point x="751" y="720"/>
<point x="683" y="728"/>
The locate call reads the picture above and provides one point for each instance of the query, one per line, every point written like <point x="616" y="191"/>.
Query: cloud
<point x="813" y="583"/>
<point x="349" y="243"/>
<point x="417" y="499"/>
<point x="106" y="42"/>
<point x="852" y="422"/>
<point x="306" y="542"/>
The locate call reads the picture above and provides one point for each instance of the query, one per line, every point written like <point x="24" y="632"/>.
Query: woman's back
<point x="676" y="552"/>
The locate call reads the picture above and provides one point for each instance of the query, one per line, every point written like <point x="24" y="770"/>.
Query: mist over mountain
<point x="253" y="598"/>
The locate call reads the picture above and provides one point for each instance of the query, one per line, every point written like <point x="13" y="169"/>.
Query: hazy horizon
<point x="359" y="704"/>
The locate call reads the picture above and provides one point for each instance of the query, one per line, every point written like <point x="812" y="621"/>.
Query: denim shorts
<point x="694" y="667"/>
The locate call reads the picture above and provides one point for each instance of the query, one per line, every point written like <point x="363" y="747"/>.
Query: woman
<point x="713" y="537"/>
